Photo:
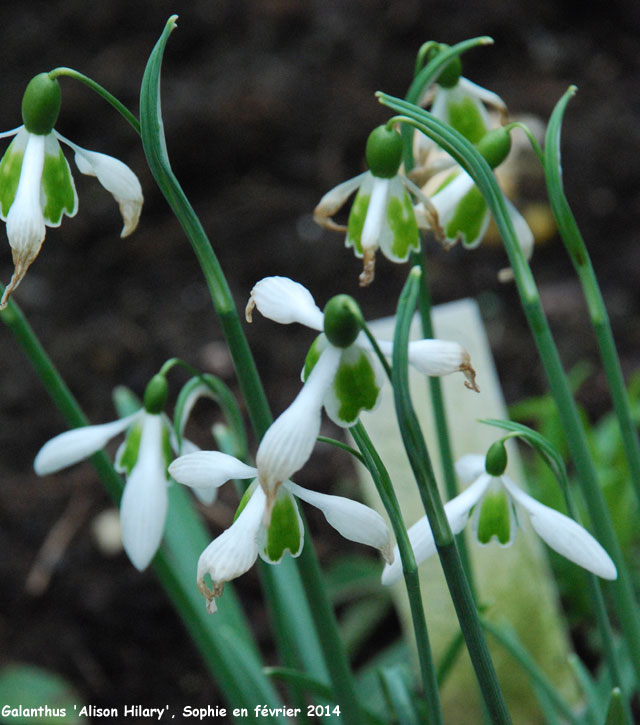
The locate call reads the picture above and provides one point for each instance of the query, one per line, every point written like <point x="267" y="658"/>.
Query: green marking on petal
<point x="284" y="532"/>
<point x="131" y="449"/>
<point x="468" y="218"/>
<point x="57" y="186"/>
<point x="355" y="385"/>
<point x="10" y="168"/>
<point x="167" y="450"/>
<point x="317" y="346"/>
<point x="466" y="118"/>
<point x="244" y="500"/>
<point x="355" y="225"/>
<point x="404" y="227"/>
<point x="494" y="519"/>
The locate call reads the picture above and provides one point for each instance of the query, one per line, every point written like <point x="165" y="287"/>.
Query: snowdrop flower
<point x="462" y="211"/>
<point x="495" y="504"/>
<point x="460" y="103"/>
<point x="36" y="186"/>
<point x="358" y="380"/>
<point x="267" y="523"/>
<point x="143" y="458"/>
<point x="382" y="214"/>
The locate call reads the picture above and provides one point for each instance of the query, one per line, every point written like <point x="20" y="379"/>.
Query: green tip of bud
<point x="496" y="461"/>
<point x="41" y="104"/>
<point x="342" y="320"/>
<point x="155" y="394"/>
<point x="450" y="74"/>
<point x="495" y="146"/>
<point x="384" y="152"/>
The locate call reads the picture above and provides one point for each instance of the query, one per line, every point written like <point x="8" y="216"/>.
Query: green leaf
<point x="32" y="687"/>
<point x="398" y="694"/>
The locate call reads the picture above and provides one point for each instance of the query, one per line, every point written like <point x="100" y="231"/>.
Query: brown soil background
<point x="267" y="104"/>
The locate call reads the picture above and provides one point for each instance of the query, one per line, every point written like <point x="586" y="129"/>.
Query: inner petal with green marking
<point x="57" y="185"/>
<point x="466" y="117"/>
<point x="285" y="532"/>
<point x="10" y="168"/>
<point x="494" y="518"/>
<point x="469" y="218"/>
<point x="356" y="387"/>
<point x="128" y="454"/>
<point x="357" y="217"/>
<point x="402" y="222"/>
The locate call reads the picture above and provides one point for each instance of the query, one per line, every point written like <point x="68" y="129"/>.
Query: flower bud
<point x="384" y="152"/>
<point x="496" y="461"/>
<point x="451" y="73"/>
<point x="495" y="146"/>
<point x="342" y="318"/>
<point x="41" y="104"/>
<point x="155" y="394"/>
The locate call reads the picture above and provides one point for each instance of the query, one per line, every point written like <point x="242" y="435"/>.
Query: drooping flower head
<point x="267" y="523"/>
<point x="357" y="382"/>
<point x="458" y="102"/>
<point x="382" y="213"/>
<point x="496" y="504"/>
<point x="36" y="186"/>
<point x="143" y="458"/>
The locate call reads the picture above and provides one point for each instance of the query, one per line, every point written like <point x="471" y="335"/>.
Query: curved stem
<point x="383" y="483"/>
<point x="420" y="462"/>
<point x="282" y="583"/>
<point x="468" y="157"/>
<point x="102" y="92"/>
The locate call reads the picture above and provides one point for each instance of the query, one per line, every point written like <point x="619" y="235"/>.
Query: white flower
<point x="382" y="216"/>
<point x="358" y="380"/>
<point x="141" y="457"/>
<point x="268" y="523"/>
<point x="462" y="107"/>
<point x="37" y="190"/>
<point x="463" y="213"/>
<point x="495" y="504"/>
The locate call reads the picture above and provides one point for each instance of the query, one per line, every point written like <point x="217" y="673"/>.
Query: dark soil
<point x="267" y="104"/>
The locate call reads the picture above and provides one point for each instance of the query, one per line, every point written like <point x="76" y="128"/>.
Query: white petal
<point x="233" y="552"/>
<point x="437" y="357"/>
<point x="469" y="467"/>
<point x="75" y="445"/>
<point x="333" y="200"/>
<point x="285" y="301"/>
<point x="482" y="94"/>
<point x="117" y="178"/>
<point x="25" y="221"/>
<point x="204" y="495"/>
<point x="563" y="534"/>
<point x="420" y="536"/>
<point x="209" y="469"/>
<point x="446" y="200"/>
<point x="423" y="545"/>
<point x="143" y="508"/>
<point x="352" y="519"/>
<point x="375" y="223"/>
<point x="287" y="444"/>
<point x="458" y="508"/>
